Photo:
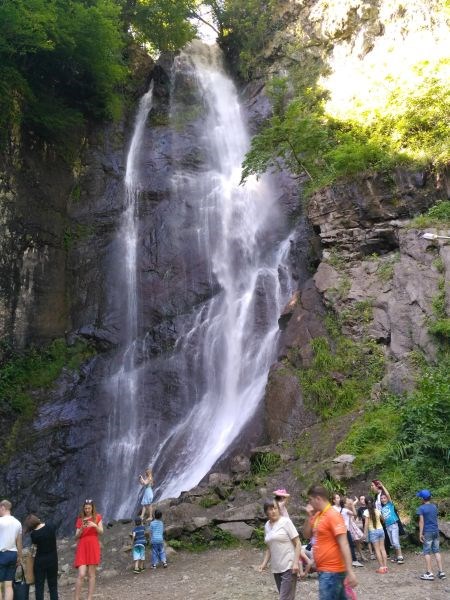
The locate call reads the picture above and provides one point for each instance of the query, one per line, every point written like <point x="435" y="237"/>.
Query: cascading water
<point x="230" y="250"/>
<point x="125" y="431"/>
<point x="227" y="352"/>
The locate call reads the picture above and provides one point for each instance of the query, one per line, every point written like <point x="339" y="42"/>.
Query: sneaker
<point x="165" y="565"/>
<point x="136" y="570"/>
<point x="427" y="576"/>
<point x="153" y="566"/>
<point x="442" y="575"/>
<point x="400" y="560"/>
<point x="356" y="563"/>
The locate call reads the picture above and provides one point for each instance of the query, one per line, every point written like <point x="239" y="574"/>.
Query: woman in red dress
<point x="87" y="555"/>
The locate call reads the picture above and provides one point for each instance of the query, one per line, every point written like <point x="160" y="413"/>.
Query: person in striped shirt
<point x="156" y="529"/>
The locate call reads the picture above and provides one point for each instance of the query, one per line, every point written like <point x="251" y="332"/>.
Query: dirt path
<point x="231" y="575"/>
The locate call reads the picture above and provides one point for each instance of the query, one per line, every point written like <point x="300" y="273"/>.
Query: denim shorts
<point x="139" y="552"/>
<point x="376" y="535"/>
<point x="331" y="586"/>
<point x="8" y="563"/>
<point x="431" y="543"/>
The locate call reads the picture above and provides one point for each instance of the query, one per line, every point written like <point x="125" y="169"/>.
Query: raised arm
<point x="385" y="491"/>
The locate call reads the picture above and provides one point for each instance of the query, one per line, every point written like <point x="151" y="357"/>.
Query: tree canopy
<point x="61" y="61"/>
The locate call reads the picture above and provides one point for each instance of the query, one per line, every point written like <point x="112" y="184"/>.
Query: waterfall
<point x="124" y="430"/>
<point x="179" y="408"/>
<point x="226" y="353"/>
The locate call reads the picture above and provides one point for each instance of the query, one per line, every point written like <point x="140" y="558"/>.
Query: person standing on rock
<point x="332" y="556"/>
<point x="10" y="547"/>
<point x="283" y="550"/>
<point x="147" y="498"/>
<point x="88" y="527"/>
<point x="43" y="536"/>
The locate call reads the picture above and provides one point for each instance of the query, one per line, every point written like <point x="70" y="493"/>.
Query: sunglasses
<point x="88" y="501"/>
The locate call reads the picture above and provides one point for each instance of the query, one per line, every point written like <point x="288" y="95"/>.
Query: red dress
<point x="88" y="548"/>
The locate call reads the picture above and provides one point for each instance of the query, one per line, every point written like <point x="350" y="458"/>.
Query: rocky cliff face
<point x="60" y="254"/>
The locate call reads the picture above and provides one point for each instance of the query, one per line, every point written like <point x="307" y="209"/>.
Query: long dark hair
<point x="371" y="508"/>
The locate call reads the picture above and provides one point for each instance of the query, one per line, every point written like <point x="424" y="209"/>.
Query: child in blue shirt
<point x="429" y="534"/>
<point x="156" y="529"/>
<point x="138" y="534"/>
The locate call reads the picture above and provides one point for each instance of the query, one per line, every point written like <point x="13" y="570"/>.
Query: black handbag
<point x="21" y="588"/>
<point x="401" y="528"/>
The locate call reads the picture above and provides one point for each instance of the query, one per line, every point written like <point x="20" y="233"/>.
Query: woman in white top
<point x="340" y="506"/>
<point x="283" y="550"/>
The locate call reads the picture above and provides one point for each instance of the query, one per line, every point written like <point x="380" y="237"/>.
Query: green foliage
<point x="441" y="329"/>
<point x="245" y="29"/>
<point x="359" y="313"/>
<point x="61" y="61"/>
<point x="437" y="216"/>
<point x="413" y="130"/>
<point x="205" y="539"/>
<point x="209" y="501"/>
<point x="407" y="439"/>
<point x="341" y="374"/>
<point x="162" y="24"/>
<point x="371" y="437"/>
<point x="263" y="463"/>
<point x="257" y="538"/>
<point x="334" y="487"/>
<point x="20" y="374"/>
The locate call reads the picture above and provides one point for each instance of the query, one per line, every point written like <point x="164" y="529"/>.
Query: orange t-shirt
<point x="327" y="552"/>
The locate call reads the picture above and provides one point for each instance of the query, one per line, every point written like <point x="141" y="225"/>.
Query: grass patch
<point x="205" y="539"/>
<point x="209" y="501"/>
<point x="21" y="373"/>
<point x="262" y="463"/>
<point x="342" y="373"/>
<point x="437" y="216"/>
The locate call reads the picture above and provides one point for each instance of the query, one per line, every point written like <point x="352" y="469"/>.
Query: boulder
<point x="218" y="479"/>
<point x="238" y="529"/>
<point x="444" y="528"/>
<point x="249" y="512"/>
<point x="240" y="464"/>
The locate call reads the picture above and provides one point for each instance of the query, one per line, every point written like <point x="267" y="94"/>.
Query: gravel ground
<point x="231" y="575"/>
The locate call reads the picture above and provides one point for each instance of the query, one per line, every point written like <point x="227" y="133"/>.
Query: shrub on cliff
<point x="406" y="440"/>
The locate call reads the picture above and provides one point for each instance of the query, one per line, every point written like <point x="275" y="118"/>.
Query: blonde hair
<point x="6" y="504"/>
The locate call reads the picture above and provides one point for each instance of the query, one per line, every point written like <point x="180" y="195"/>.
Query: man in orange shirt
<point x="328" y="533"/>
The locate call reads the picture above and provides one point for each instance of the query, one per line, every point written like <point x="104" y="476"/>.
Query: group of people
<point x="333" y="537"/>
<point x="88" y="528"/>
<point x="331" y="530"/>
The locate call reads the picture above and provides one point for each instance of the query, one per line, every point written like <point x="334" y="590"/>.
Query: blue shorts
<point x="139" y="552"/>
<point x="331" y="586"/>
<point x="376" y="535"/>
<point x="431" y="543"/>
<point x="8" y="563"/>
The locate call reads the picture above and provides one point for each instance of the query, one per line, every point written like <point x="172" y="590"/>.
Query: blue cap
<point x="424" y="494"/>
